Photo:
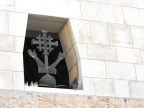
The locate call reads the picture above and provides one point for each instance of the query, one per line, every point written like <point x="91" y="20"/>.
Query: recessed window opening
<point x="31" y="69"/>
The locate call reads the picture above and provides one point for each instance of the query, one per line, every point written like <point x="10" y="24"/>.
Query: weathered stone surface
<point x="139" y="72"/>
<point x="117" y="70"/>
<point x="122" y="88"/>
<point x="138" y="3"/>
<point x="93" y="68"/>
<point x="104" y="87"/>
<point x="121" y="2"/>
<point x="136" y="89"/>
<point x="88" y="86"/>
<point x="6" y="80"/>
<point x="11" y="61"/>
<point x="99" y="1"/>
<point x="99" y="52"/>
<point x="7" y="5"/>
<point x="133" y="16"/>
<point x="17" y="23"/>
<point x="80" y="30"/>
<point x="4" y="22"/>
<point x="102" y="12"/>
<point x="63" y="8"/>
<point x="137" y="36"/>
<point x="120" y="35"/>
<point x="99" y="33"/>
<point x="4" y="98"/>
<point x="128" y="55"/>
<point x="6" y="43"/>
<point x="19" y="44"/>
<point x="18" y="80"/>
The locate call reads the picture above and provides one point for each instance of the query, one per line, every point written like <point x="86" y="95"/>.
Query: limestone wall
<point x="106" y="49"/>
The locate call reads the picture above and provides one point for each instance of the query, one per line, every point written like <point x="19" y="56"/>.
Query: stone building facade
<point x="104" y="41"/>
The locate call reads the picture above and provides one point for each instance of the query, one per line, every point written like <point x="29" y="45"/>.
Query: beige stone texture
<point x="88" y="86"/>
<point x="136" y="89"/>
<point x="99" y="33"/>
<point x="7" y="5"/>
<point x="93" y="68"/>
<point x="104" y="87"/>
<point x="138" y="3"/>
<point x="139" y="72"/>
<point x="120" y="35"/>
<point x="71" y="58"/>
<point x="18" y="80"/>
<point x="133" y="16"/>
<point x="17" y="23"/>
<point x="81" y="50"/>
<point x="4" y="98"/>
<point x="65" y="39"/>
<point x="102" y="52"/>
<point x="102" y="12"/>
<point x="99" y="1"/>
<point x="6" y="43"/>
<point x="31" y="99"/>
<point x="121" y="2"/>
<point x="137" y="37"/>
<point x="142" y="56"/>
<point x="128" y="55"/>
<point x="11" y="61"/>
<point x="73" y="74"/>
<point x="4" y="22"/>
<point x="117" y="70"/>
<point x="121" y="88"/>
<point x="19" y="44"/>
<point x="6" y="80"/>
<point x="80" y="30"/>
<point x="63" y="8"/>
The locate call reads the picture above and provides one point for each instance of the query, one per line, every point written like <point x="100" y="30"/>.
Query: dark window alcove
<point x="30" y="67"/>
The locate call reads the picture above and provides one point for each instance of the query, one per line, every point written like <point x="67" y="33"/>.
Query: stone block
<point x="63" y="8"/>
<point x="18" y="80"/>
<point x="65" y="39"/>
<point x="139" y="72"/>
<point x="133" y="16"/>
<point x="136" y="89"/>
<point x="6" y="43"/>
<point x="138" y="3"/>
<point x="17" y="23"/>
<point x="102" y="12"/>
<point x="102" y="52"/>
<point x="7" y="5"/>
<point x="81" y="50"/>
<point x="120" y="35"/>
<point x="137" y="37"/>
<point x="80" y="30"/>
<point x="128" y="55"/>
<point x="71" y="58"/>
<point x="117" y="70"/>
<point x="99" y="33"/>
<point x="99" y="1"/>
<point x="121" y="88"/>
<point x="4" y="22"/>
<point x="121" y="2"/>
<point x="6" y="80"/>
<point x="88" y="86"/>
<point x="104" y="87"/>
<point x="11" y="61"/>
<point x="93" y="68"/>
<point x="19" y="44"/>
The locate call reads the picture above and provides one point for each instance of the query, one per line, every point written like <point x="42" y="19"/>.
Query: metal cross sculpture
<point x="45" y="44"/>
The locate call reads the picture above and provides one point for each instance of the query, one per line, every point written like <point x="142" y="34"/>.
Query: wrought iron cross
<point x="45" y="43"/>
